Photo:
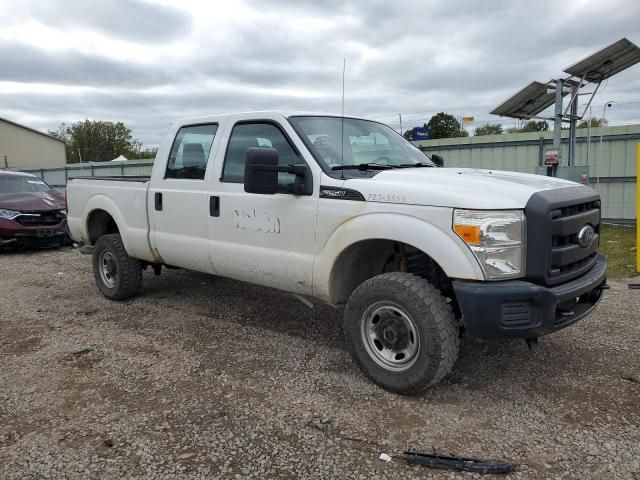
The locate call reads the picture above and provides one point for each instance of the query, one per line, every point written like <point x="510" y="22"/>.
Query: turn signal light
<point x="469" y="233"/>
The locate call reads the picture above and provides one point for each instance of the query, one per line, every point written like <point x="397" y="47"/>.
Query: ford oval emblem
<point x="585" y="236"/>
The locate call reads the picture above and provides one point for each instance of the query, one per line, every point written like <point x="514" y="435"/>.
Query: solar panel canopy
<point x="531" y="100"/>
<point x="606" y="62"/>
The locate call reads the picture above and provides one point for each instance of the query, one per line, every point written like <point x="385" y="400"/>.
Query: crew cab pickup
<point x="347" y="211"/>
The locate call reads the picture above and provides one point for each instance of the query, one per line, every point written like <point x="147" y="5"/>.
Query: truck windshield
<point x="22" y="184"/>
<point x="364" y="143"/>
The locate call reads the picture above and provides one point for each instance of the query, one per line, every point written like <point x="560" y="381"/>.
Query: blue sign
<point x="420" y="133"/>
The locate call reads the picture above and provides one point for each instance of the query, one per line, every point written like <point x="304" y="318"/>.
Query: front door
<point x="263" y="239"/>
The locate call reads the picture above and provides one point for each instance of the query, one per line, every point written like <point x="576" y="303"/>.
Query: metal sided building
<point x="22" y="147"/>
<point x="610" y="153"/>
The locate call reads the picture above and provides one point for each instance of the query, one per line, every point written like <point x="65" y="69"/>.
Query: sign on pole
<point x="420" y="133"/>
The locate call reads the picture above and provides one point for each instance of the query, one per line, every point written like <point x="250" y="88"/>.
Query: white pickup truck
<point x="347" y="211"/>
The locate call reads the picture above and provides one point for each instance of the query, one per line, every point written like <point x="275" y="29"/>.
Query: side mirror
<point x="437" y="159"/>
<point x="261" y="170"/>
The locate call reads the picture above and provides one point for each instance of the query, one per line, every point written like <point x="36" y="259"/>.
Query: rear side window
<point x="190" y="151"/>
<point x="247" y="135"/>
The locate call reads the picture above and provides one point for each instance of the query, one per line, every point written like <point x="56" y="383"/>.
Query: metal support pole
<point x="638" y="207"/>
<point x="541" y="152"/>
<point x="557" y="120"/>
<point x="572" y="132"/>
<point x="589" y="136"/>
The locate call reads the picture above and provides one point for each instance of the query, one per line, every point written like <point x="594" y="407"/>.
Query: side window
<point x="190" y="150"/>
<point x="247" y="135"/>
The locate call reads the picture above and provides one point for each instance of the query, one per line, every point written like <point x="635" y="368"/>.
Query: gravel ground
<point x="203" y="377"/>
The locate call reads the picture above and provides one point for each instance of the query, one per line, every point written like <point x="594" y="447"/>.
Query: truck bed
<point x="124" y="198"/>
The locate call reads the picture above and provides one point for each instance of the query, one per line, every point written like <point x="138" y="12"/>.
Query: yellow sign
<point x="468" y="120"/>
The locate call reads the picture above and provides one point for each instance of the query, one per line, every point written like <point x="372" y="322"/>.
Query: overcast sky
<point x="148" y="64"/>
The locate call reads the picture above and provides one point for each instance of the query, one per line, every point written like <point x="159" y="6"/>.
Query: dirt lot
<point x="204" y="377"/>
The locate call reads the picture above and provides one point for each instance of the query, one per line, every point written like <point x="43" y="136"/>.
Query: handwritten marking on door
<point x="260" y="221"/>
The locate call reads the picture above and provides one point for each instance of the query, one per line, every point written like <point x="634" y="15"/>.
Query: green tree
<point x="488" y="129"/>
<point x="445" y="125"/>
<point x="595" y="123"/>
<point x="96" y="141"/>
<point x="530" y="126"/>
<point x="533" y="126"/>
<point x="408" y="135"/>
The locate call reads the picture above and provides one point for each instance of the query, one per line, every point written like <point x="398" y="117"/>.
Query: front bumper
<point x="520" y="309"/>
<point x="15" y="234"/>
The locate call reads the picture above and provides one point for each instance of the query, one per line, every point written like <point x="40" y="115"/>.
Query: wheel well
<point x="100" y="223"/>
<point x="369" y="258"/>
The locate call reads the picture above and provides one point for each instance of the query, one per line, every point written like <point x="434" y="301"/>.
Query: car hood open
<point x="32" y="201"/>
<point x="456" y="187"/>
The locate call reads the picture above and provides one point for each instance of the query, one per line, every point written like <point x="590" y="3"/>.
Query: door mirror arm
<point x="293" y="169"/>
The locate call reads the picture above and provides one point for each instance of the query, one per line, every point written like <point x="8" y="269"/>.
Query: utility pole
<point x="400" y="116"/>
<point x="604" y="122"/>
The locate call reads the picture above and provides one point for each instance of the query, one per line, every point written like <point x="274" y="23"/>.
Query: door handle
<point x="214" y="206"/>
<point x="158" y="200"/>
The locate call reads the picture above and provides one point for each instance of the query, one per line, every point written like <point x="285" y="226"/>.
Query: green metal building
<point x="612" y="161"/>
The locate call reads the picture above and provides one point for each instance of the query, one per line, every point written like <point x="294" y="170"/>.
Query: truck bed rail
<point x="119" y="178"/>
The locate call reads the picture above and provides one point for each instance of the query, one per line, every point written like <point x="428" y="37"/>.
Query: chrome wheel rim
<point x="390" y="336"/>
<point x="108" y="269"/>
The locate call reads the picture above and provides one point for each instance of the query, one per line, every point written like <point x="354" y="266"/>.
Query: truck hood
<point x="32" y="201"/>
<point x="455" y="187"/>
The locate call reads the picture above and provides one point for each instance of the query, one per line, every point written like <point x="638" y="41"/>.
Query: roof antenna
<point x="344" y="67"/>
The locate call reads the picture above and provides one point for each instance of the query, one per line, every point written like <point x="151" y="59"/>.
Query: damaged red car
<point x="32" y="214"/>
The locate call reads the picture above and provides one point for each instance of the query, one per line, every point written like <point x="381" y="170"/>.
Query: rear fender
<point x="134" y="238"/>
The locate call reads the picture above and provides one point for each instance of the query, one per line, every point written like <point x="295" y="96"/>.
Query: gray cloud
<point x="462" y="56"/>
<point x="24" y="63"/>
<point x="125" y="19"/>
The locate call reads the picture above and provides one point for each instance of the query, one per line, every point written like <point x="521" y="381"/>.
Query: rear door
<point x="178" y="200"/>
<point x="263" y="239"/>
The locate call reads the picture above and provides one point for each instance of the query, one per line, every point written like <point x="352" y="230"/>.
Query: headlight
<point x="8" y="213"/>
<point x="496" y="238"/>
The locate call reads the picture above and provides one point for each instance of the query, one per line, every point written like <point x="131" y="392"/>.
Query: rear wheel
<point x="402" y="332"/>
<point x="117" y="275"/>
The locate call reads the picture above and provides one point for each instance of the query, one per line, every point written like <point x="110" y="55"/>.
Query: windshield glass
<point x="365" y="142"/>
<point x="22" y="184"/>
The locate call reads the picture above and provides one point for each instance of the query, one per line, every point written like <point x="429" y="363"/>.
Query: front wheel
<point x="118" y="276"/>
<point x="402" y="332"/>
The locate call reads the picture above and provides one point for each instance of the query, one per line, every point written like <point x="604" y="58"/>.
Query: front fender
<point x="435" y="238"/>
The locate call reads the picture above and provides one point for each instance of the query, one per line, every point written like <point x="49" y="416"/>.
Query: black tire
<point x="401" y="295"/>
<point x="125" y="280"/>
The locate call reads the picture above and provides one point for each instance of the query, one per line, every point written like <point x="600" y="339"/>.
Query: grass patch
<point x="618" y="244"/>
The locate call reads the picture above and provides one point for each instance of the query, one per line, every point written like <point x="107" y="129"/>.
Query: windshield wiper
<point x="363" y="166"/>
<point x="418" y="164"/>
